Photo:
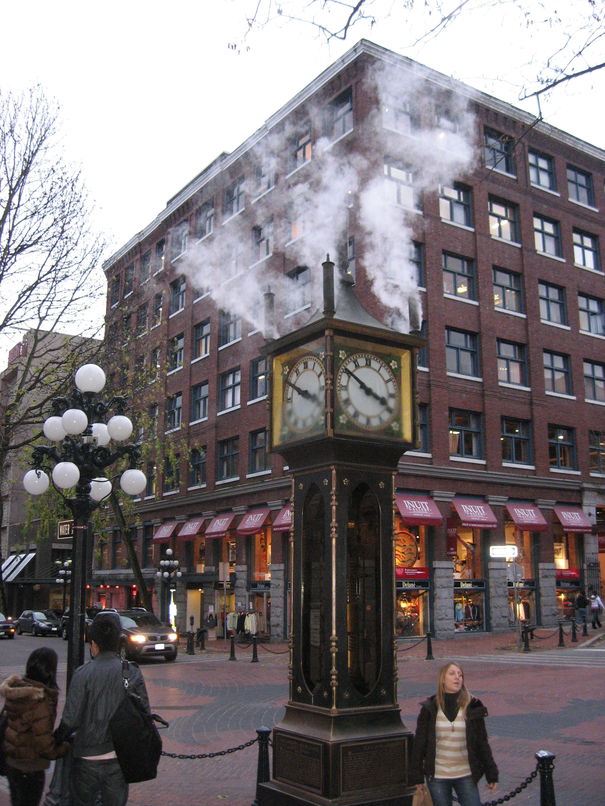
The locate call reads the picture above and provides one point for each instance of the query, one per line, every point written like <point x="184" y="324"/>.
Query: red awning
<point x="219" y="524"/>
<point x="526" y="516"/>
<point x="573" y="519"/>
<point x="283" y="520"/>
<point x="191" y="528"/>
<point x="419" y="509"/>
<point x="165" y="531"/>
<point x="474" y="513"/>
<point x="253" y="521"/>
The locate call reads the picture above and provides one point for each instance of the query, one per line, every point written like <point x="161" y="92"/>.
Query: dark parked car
<point x="7" y="628"/>
<point x="38" y="622"/>
<point x="144" y="635"/>
<point x="89" y="614"/>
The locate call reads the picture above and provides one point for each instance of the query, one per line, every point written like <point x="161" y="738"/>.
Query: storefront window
<point x="568" y="563"/>
<point x="520" y="575"/>
<point x="261" y="559"/>
<point x="412" y="581"/>
<point x="469" y="554"/>
<point x="469" y="585"/>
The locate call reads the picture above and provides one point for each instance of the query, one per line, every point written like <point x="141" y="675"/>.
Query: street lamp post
<point x="82" y="433"/>
<point x="63" y="577"/>
<point x="168" y="572"/>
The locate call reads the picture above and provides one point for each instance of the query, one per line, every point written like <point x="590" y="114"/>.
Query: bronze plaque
<point x="367" y="765"/>
<point x="297" y="761"/>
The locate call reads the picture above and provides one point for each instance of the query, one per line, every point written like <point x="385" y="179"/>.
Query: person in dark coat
<point x="451" y="751"/>
<point x="29" y="745"/>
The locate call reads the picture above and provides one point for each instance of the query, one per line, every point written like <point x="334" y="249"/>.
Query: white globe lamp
<point x="100" y="489"/>
<point x="133" y="481"/>
<point x="36" y="482"/>
<point x="119" y="427"/>
<point x="90" y="378"/>
<point x="53" y="429"/>
<point x="65" y="475"/>
<point x="101" y="434"/>
<point x="74" y="421"/>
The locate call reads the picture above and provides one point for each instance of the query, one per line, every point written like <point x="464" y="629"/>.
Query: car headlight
<point x="172" y="636"/>
<point x="138" y="639"/>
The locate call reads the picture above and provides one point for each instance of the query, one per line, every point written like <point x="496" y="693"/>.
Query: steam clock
<point x="342" y="413"/>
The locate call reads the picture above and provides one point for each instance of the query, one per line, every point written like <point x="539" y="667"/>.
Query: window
<point x="417" y="260"/>
<point x="423" y="352"/>
<point x="596" y="451"/>
<point x="199" y="402"/>
<point x="139" y="374"/>
<point x="257" y="461"/>
<point x="147" y="545"/>
<point x="594" y="380"/>
<point x="512" y="362"/>
<point x="264" y="178"/>
<point x="547" y="236"/>
<point x="424" y="436"/>
<point x="300" y="149"/>
<point x="227" y="458"/>
<point x="299" y="289"/>
<point x="295" y="219"/>
<point x="586" y="250"/>
<point x="204" y="220"/>
<point x="542" y="170"/>
<point x="234" y="198"/>
<point x="561" y="447"/>
<point x="150" y="473"/>
<point x="459" y="276"/>
<point x="262" y="240"/>
<point x="174" y="411"/>
<point x="503" y="220"/>
<point x="339" y="115"/>
<point x="172" y="473"/>
<point x="229" y="328"/>
<point x="397" y="115"/>
<point x="498" y="151"/>
<point x="115" y="290"/>
<point x="557" y="373"/>
<point x="400" y="184"/>
<point x="507" y="290"/>
<point x="156" y="316"/>
<point x="177" y="295"/>
<point x="197" y="467"/>
<point x="465" y="435"/>
<point x="175" y="352"/>
<point x="145" y="267"/>
<point x="258" y="378"/>
<point x="461" y="352"/>
<point x="160" y="250"/>
<point x="201" y="339"/>
<point x="154" y="364"/>
<point x="579" y="186"/>
<point x="592" y="314"/>
<point x="152" y="420"/>
<point x="229" y="389"/>
<point x="553" y="307"/>
<point x="516" y="441"/>
<point x="141" y="324"/>
<point x="455" y="204"/>
<point x="128" y="279"/>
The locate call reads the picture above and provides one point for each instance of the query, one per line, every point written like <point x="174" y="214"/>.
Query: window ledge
<point x="558" y="258"/>
<point x="587" y="268"/>
<point x="582" y="204"/>
<point x="149" y="498"/>
<point x="258" y="473"/>
<point x="262" y="194"/>
<point x="505" y="240"/>
<point x="226" y="481"/>
<point x="559" y="394"/>
<point x="298" y="168"/>
<point x="198" y="486"/>
<point x="166" y="493"/>
<point x="172" y="371"/>
<point x="231" y="217"/>
<point x="199" y="358"/>
<point x="260" y="260"/>
<point x="419" y="453"/>
<point x="518" y="465"/>
<point x="127" y="294"/>
<point x="467" y="227"/>
<point x="201" y="420"/>
<point x="298" y="310"/>
<point x="229" y="343"/>
<point x="594" y="335"/>
<point x="203" y="238"/>
<point x="545" y="189"/>
<point x="172" y="430"/>
<point x="175" y="313"/>
<point x="157" y="324"/>
<point x="467" y="459"/>
<point x="594" y="402"/>
<point x="564" y="470"/>
<point x="475" y="378"/>
<point x="202" y="296"/>
<point x="511" y="313"/>
<point x="461" y="299"/>
<point x="295" y="240"/>
<point x="257" y="400"/>
<point x="227" y="411"/>
<point x="554" y="324"/>
<point x="596" y="475"/>
<point x="422" y="369"/>
<point x="501" y="172"/>
<point x="514" y="386"/>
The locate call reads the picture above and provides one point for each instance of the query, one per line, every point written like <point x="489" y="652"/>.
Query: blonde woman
<point x="451" y="750"/>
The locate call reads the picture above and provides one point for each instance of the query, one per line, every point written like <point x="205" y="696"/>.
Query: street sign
<point x="65" y="530"/>
<point x="508" y="551"/>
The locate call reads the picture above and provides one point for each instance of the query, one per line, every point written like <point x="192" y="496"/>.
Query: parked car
<point x="89" y="614"/>
<point x="7" y="628"/>
<point x="144" y="635"/>
<point x="37" y="622"/>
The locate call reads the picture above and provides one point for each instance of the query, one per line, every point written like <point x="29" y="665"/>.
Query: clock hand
<point x="302" y="392"/>
<point x="365" y="388"/>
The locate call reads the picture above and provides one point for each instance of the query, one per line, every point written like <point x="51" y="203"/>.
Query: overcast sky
<point x="150" y="92"/>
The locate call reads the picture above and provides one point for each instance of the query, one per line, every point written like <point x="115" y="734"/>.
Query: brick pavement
<point x="214" y="704"/>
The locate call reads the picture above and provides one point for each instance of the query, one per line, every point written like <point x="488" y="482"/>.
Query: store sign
<point x="469" y="583"/>
<point x="506" y="551"/>
<point x="65" y="530"/>
<point x="568" y="573"/>
<point x="411" y="584"/>
<point x="452" y="537"/>
<point x="411" y="573"/>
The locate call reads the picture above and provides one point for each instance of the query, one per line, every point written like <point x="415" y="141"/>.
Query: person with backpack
<point x="581" y="604"/>
<point x="596" y="608"/>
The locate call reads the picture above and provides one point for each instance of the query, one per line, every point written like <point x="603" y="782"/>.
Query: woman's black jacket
<point x="480" y="757"/>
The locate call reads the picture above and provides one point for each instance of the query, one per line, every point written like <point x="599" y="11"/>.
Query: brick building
<point x="482" y="221"/>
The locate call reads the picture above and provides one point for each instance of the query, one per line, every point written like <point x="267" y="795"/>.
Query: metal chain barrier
<point x="411" y="646"/>
<point x="513" y="793"/>
<point x="544" y="637"/>
<point x="211" y="755"/>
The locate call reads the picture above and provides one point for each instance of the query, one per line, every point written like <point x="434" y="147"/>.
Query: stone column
<point x="548" y="616"/>
<point x="498" y="595"/>
<point x="443" y="599"/>
<point x="240" y="589"/>
<point x="278" y="602"/>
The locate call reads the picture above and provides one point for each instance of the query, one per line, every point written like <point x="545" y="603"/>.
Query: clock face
<point x="367" y="389"/>
<point x="303" y="394"/>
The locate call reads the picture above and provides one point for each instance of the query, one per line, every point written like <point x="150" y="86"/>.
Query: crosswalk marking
<point x="586" y="658"/>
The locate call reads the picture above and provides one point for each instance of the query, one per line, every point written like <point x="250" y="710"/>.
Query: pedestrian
<point x="596" y="608"/>
<point x="31" y="708"/>
<point x="451" y="751"/>
<point x="95" y="692"/>
<point x="581" y="605"/>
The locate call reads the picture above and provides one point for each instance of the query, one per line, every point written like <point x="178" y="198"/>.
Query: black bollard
<point x="574" y="634"/>
<point x="429" y="647"/>
<point x="561" y="641"/>
<point x="584" y="627"/>
<point x="202" y="638"/>
<point x="232" y="655"/>
<point x="526" y="647"/>
<point x="262" y="769"/>
<point x="254" y="650"/>
<point x="546" y="764"/>
<point x="190" y="646"/>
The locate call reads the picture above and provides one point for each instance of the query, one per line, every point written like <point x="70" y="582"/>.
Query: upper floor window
<point x="154" y="364"/>
<point x="199" y="402"/>
<point x="153" y="411"/>
<point x="262" y="240"/>
<point x="423" y="352"/>
<point x="461" y="353"/>
<point x="592" y="314"/>
<point x="178" y="239"/>
<point x="512" y="362"/>
<point x="553" y="307"/>
<point x="586" y="250"/>
<point x="398" y="115"/>
<point x="177" y="294"/>
<point x="264" y="177"/>
<point x="227" y="459"/>
<point x="258" y="378"/>
<point x="295" y="219"/>
<point x="561" y="447"/>
<point x="339" y="115"/>
<point x="417" y="260"/>
<point x="455" y="204"/>
<point x="424" y="432"/>
<point x="175" y="352"/>
<point x="201" y="339"/>
<point x="197" y="467"/>
<point x="156" y="316"/>
<point x="145" y="270"/>
<point x="150" y="473"/>
<point x="594" y="381"/>
<point x="557" y="373"/>
<point x="515" y="439"/>
<point x="465" y="434"/>
<point x="299" y="147"/>
<point x="114" y="296"/>
<point x="596" y="451"/>
<point x="234" y="197"/>
<point x="459" y="276"/>
<point x="400" y="184"/>
<point x="160" y="250"/>
<point x="229" y="389"/>
<point x="503" y="220"/>
<point x="204" y="219"/>
<point x="507" y="290"/>
<point x="299" y="289"/>
<point x="258" y="459"/>
<point x="547" y="236"/>
<point x="498" y="151"/>
<point x="579" y="186"/>
<point x="128" y="279"/>
<point x="229" y="328"/>
<point x="141" y="324"/>
<point x="542" y="170"/>
<point x="174" y="411"/>
<point x="172" y="473"/>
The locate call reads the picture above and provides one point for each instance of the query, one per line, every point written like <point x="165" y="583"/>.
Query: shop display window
<point x="412" y="581"/>
<point x="523" y="565"/>
<point x="469" y="610"/>
<point x="521" y="606"/>
<point x="411" y="613"/>
<point x="468" y="561"/>
<point x="567" y="550"/>
<point x="261" y="556"/>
